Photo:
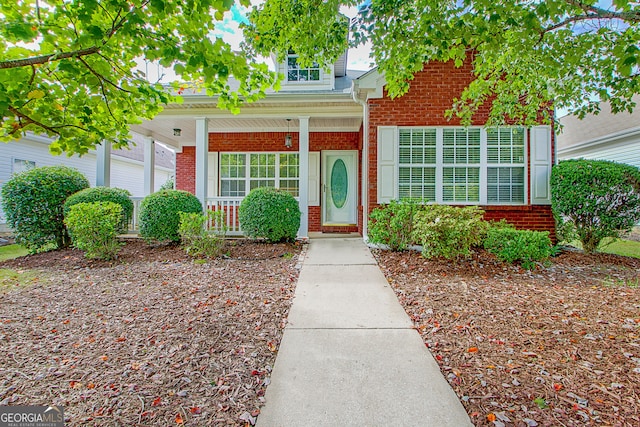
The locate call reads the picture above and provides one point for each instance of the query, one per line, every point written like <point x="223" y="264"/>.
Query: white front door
<point x="339" y="187"/>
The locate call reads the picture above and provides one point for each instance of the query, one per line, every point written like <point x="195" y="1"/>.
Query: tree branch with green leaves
<point x="526" y="55"/>
<point x="68" y="68"/>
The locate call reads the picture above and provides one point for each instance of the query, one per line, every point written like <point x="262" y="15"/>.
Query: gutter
<point x="364" y="167"/>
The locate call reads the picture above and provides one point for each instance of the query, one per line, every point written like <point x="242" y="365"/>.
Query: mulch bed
<point x="149" y="339"/>
<point x="558" y="346"/>
<point x="154" y="338"/>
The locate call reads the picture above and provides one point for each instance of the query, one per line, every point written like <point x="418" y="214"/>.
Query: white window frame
<point x="317" y="68"/>
<point x="248" y="179"/>
<point x="484" y="165"/>
<point x="509" y="165"/>
<point x="25" y="165"/>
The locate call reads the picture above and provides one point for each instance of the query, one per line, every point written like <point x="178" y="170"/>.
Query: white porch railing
<point x="228" y="205"/>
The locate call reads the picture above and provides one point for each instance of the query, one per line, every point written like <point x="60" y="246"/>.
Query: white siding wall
<point x="124" y="173"/>
<point x="627" y="152"/>
<point x="130" y="176"/>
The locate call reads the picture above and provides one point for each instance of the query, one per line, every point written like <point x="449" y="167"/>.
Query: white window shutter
<point x="387" y="163"/>
<point x="314" y="178"/>
<point x="212" y="179"/>
<point x="541" y="163"/>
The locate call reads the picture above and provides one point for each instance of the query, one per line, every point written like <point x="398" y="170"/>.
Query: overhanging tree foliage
<point x="68" y="67"/>
<point x="528" y="54"/>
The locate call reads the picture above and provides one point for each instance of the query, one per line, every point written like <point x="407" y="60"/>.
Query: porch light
<point x="288" y="140"/>
<point x="177" y="131"/>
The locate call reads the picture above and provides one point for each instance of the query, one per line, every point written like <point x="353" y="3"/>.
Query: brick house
<point x="342" y="147"/>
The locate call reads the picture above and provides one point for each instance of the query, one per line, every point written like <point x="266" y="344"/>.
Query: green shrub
<point x="594" y="199"/>
<point x="448" y="231"/>
<point x="33" y="204"/>
<point x="195" y="239"/>
<point x="270" y="213"/>
<point x="523" y="246"/>
<point x="160" y="214"/>
<point x="94" y="228"/>
<point x="392" y="224"/>
<point x="105" y="194"/>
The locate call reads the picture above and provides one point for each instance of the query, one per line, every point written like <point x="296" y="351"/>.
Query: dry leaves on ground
<point x="151" y="339"/>
<point x="559" y="346"/>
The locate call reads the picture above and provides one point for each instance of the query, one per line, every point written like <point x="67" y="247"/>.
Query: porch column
<point x="202" y="159"/>
<point x="303" y="232"/>
<point x="149" y="165"/>
<point x="103" y="164"/>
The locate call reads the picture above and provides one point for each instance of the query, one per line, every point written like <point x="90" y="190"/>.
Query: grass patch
<point x="620" y="283"/>
<point x="619" y="247"/>
<point x="12" y="251"/>
<point x="623" y="247"/>
<point x="11" y="279"/>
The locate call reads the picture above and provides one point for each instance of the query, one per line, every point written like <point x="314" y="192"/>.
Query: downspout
<point x="365" y="160"/>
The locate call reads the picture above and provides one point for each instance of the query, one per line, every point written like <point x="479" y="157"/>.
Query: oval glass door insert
<point x="339" y="183"/>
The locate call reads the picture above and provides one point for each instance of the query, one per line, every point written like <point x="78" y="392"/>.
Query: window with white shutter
<point x="448" y="165"/>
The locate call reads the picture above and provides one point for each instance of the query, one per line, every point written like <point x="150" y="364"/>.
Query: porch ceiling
<point x="326" y="115"/>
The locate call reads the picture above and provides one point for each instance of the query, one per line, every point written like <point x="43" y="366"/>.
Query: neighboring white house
<point x="126" y="166"/>
<point x="604" y="136"/>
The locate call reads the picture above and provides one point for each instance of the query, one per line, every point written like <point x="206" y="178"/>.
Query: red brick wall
<point x="274" y="141"/>
<point x="271" y="141"/>
<point x="538" y="217"/>
<point x="186" y="170"/>
<point x="431" y="93"/>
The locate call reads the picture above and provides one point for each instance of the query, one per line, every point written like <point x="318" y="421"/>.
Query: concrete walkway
<point x="349" y="355"/>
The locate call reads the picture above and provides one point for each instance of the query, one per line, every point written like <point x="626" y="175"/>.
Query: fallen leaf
<point x="542" y="404"/>
<point x="473" y="350"/>
<point x="156" y="402"/>
<point x="557" y="387"/>
<point x="179" y="419"/>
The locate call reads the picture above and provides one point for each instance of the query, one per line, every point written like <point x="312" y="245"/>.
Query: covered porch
<point x="286" y="141"/>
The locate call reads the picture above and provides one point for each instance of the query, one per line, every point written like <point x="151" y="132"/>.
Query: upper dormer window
<point x="297" y="74"/>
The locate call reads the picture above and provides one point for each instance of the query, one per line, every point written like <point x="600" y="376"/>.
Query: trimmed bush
<point x="594" y="199"/>
<point x="160" y="214"/>
<point x="194" y="237"/>
<point x="105" y="194"/>
<point x="392" y="224"/>
<point x="271" y="214"/>
<point x="33" y="203"/>
<point x="448" y="231"/>
<point x="523" y="246"/>
<point x="94" y="228"/>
